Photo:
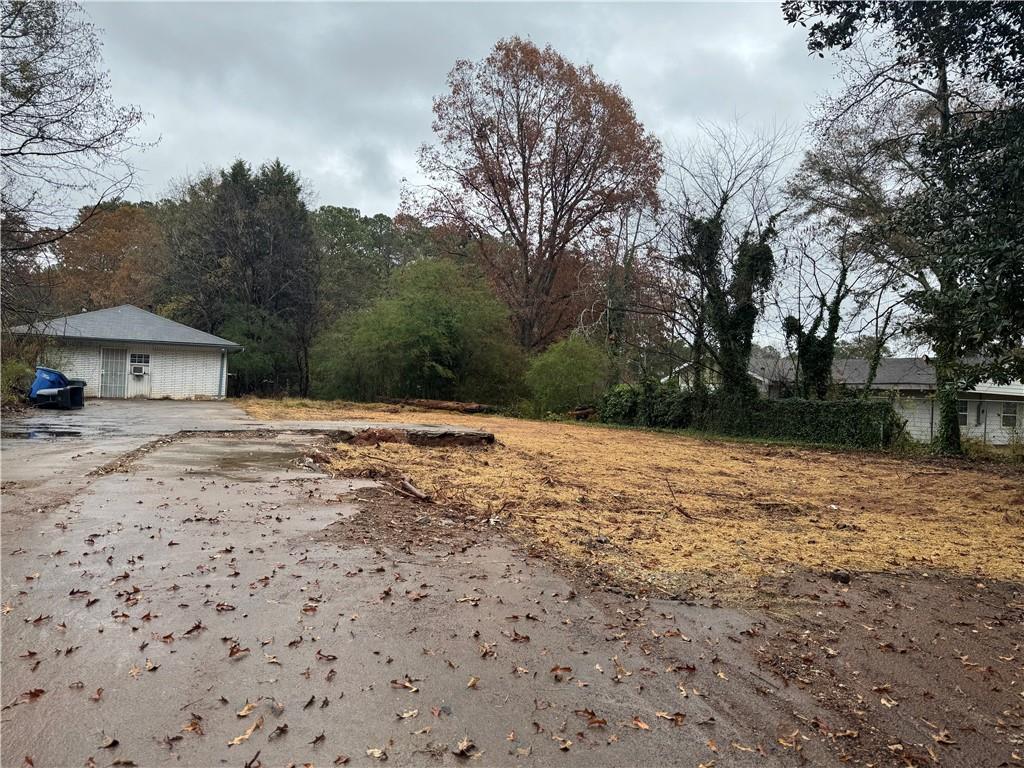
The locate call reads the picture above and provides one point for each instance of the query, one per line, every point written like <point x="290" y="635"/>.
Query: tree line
<point x="557" y="247"/>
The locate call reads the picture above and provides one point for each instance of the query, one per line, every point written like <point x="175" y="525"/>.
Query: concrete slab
<point x="48" y="454"/>
<point x="37" y="467"/>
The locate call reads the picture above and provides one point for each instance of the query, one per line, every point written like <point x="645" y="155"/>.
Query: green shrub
<point x="664" y="405"/>
<point x="437" y="332"/>
<point x="855" y="423"/>
<point x="15" y="380"/>
<point x="619" y="405"/>
<point x="651" y="404"/>
<point x="567" y="374"/>
<point x="850" y="422"/>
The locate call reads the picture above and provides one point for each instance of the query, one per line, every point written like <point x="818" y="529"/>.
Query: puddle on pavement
<point x="38" y="433"/>
<point x="263" y="460"/>
<point x="233" y="459"/>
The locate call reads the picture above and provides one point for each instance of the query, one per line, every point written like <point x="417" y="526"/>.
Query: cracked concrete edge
<point x="377" y="433"/>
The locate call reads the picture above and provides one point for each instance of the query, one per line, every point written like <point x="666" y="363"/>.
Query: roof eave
<point x="230" y="346"/>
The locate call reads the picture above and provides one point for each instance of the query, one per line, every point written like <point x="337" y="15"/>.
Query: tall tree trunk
<point x="828" y="341"/>
<point x="876" y="355"/>
<point x="946" y="346"/>
<point x="947" y="441"/>
<point x="302" y="365"/>
<point x="697" y="358"/>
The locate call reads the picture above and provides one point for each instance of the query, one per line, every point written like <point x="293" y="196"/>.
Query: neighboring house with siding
<point x="991" y="413"/>
<point x="127" y="352"/>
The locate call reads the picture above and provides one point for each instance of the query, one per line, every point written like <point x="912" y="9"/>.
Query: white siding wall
<point x="76" y="362"/>
<point x="183" y="372"/>
<point x="987" y="424"/>
<point x="918" y="413"/>
<point x="984" y="419"/>
<point x="175" y="372"/>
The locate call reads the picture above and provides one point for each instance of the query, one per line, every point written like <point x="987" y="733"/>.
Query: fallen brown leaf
<point x="406" y="682"/>
<point x="31" y="695"/>
<point x="677" y="718"/>
<point x="561" y="673"/>
<point x="464" y="747"/>
<point x="249" y="732"/>
<point x="593" y="721"/>
<point x="246" y="710"/>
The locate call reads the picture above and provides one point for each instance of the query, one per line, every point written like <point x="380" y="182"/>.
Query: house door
<point x="113" y="372"/>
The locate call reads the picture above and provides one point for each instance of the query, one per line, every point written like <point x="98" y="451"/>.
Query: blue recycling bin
<point x="52" y="389"/>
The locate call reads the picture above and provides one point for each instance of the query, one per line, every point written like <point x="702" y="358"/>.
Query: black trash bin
<point x="52" y="389"/>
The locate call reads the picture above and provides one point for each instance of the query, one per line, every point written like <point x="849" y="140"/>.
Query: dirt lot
<point x="887" y="591"/>
<point x="683" y="515"/>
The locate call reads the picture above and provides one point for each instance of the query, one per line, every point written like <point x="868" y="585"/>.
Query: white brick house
<point x="127" y="352"/>
<point x="990" y="413"/>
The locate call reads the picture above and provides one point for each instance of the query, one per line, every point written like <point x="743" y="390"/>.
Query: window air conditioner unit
<point x="138" y="370"/>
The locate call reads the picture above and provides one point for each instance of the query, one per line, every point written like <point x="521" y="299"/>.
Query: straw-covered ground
<point x="678" y="512"/>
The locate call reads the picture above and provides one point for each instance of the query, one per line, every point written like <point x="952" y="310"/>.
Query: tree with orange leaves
<point x="533" y="153"/>
<point x="114" y="256"/>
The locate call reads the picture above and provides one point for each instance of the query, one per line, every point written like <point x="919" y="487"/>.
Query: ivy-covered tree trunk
<point x="946" y="364"/>
<point x="816" y="353"/>
<point x="947" y="440"/>
<point x="947" y="329"/>
<point x="877" y="350"/>
<point x="737" y="314"/>
<point x="698" y="357"/>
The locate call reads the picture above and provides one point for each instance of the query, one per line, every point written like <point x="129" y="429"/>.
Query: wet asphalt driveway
<point x="192" y="611"/>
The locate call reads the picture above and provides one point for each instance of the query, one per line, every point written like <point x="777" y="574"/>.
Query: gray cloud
<point x="342" y="92"/>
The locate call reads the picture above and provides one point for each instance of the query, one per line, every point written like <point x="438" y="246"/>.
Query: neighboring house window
<point x="961" y="412"/>
<point x="1010" y="415"/>
<point x="140" y="359"/>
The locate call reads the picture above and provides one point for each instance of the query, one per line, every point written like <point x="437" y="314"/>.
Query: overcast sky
<point x="342" y="92"/>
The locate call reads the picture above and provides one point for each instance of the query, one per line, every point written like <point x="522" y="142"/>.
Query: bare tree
<point x="722" y="202"/>
<point x="63" y="140"/>
<point x="622" y="291"/>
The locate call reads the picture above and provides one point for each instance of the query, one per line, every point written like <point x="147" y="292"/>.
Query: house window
<point x="1010" y="415"/>
<point x="139" y="359"/>
<point x="961" y="412"/>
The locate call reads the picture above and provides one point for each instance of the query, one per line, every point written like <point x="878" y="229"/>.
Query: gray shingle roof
<point x="125" y="323"/>
<point x="893" y="372"/>
<point x="771" y="368"/>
